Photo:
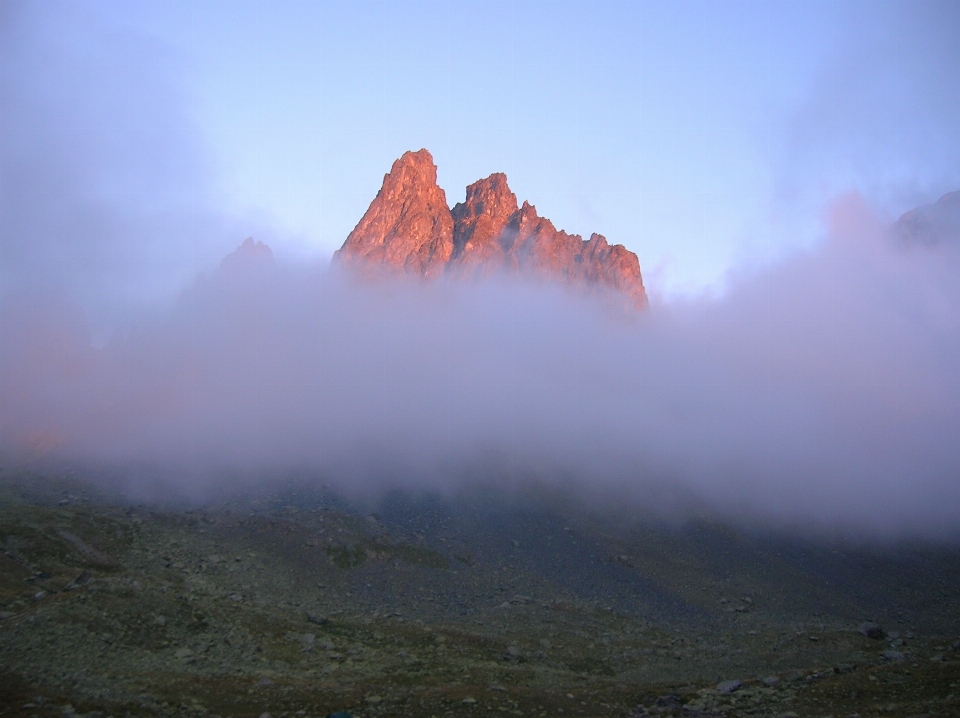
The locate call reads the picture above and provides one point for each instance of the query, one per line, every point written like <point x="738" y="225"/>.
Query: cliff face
<point x="409" y="228"/>
<point x="484" y="227"/>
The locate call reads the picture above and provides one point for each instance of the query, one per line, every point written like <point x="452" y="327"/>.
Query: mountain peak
<point x="413" y="169"/>
<point x="409" y="228"/>
<point x="418" y="158"/>
<point x="481" y="220"/>
<point x="248" y="254"/>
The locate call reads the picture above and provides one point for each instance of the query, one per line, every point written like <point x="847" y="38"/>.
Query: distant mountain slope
<point x="932" y="223"/>
<point x="410" y="228"/>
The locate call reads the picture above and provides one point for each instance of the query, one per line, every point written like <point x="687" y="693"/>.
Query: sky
<point x="703" y="136"/>
<point x="797" y="366"/>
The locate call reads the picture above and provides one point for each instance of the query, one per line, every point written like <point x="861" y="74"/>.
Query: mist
<point x="107" y="193"/>
<point x="820" y="392"/>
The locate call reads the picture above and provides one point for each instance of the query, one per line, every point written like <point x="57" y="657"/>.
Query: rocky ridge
<point x="931" y="224"/>
<point x="410" y="229"/>
<point x="248" y="254"/>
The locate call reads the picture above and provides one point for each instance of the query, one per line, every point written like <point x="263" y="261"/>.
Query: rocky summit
<point x="409" y="228"/>
<point x="248" y="254"/>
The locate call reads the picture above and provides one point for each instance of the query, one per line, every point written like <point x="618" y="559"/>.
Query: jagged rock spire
<point x="409" y="228"/>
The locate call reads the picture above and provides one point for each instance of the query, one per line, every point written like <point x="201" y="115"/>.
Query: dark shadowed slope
<point x="300" y="603"/>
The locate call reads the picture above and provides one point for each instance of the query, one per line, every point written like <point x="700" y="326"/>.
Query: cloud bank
<point x="824" y="391"/>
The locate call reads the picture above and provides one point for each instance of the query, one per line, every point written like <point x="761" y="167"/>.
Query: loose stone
<point x="729" y="686"/>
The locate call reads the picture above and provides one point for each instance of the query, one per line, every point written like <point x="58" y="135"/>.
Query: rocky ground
<point x="300" y="604"/>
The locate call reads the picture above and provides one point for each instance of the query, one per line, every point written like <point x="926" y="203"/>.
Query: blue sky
<point x="704" y="136"/>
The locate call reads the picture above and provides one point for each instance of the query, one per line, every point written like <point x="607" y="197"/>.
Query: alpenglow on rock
<point x="410" y="229"/>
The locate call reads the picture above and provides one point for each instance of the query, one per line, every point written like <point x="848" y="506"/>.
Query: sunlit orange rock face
<point x="408" y="225"/>
<point x="410" y="229"/>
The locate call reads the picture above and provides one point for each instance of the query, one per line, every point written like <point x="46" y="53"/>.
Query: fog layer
<point x="825" y="390"/>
